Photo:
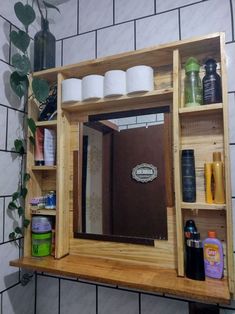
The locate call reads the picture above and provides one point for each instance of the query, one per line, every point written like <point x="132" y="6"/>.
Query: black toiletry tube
<point x="188" y="176"/>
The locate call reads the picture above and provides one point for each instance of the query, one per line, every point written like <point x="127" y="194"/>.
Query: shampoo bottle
<point x="219" y="197"/>
<point x="213" y="256"/>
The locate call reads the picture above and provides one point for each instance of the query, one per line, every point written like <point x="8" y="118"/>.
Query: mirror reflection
<point x="125" y="173"/>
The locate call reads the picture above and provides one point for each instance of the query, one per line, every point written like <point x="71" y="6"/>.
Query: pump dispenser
<point x="192" y="83"/>
<point x="219" y="196"/>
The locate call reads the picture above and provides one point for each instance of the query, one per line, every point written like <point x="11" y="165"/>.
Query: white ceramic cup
<point x="71" y="90"/>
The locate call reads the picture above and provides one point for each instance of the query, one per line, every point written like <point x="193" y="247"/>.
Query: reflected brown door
<point x="139" y="209"/>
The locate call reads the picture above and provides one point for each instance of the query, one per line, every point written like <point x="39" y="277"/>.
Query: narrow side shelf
<point x="51" y="124"/>
<point x="199" y="109"/>
<point x="46" y="212"/>
<point x="202" y="206"/>
<point x="157" y="97"/>
<point x="43" y="168"/>
<point x="130" y="274"/>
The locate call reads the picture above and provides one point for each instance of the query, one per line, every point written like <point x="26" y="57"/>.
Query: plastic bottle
<point x="213" y="256"/>
<point x="188" y="176"/>
<point x="212" y="92"/>
<point x="189" y="229"/>
<point x="208" y="182"/>
<point x="192" y="84"/>
<point x="194" y="258"/>
<point x="219" y="196"/>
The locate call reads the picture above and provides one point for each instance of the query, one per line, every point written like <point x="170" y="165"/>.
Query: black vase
<point x="44" y="48"/>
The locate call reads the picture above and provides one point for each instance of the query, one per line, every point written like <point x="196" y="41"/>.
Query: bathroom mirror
<point x="126" y="179"/>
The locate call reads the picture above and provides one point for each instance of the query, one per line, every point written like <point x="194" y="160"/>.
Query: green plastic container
<point x="41" y="244"/>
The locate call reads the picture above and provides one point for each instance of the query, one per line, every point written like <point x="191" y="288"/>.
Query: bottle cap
<point x="210" y="64"/>
<point x="217" y="156"/>
<point x="211" y="234"/>
<point x="187" y="152"/>
<point x="192" y="65"/>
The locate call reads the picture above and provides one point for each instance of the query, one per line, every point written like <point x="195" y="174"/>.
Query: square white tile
<point x="155" y="304"/>
<point x="3" y="124"/>
<point x="206" y="17"/>
<point x="232" y="159"/>
<point x="146" y="118"/>
<point x="115" y="39"/>
<point x="11" y="221"/>
<point x="58" y="53"/>
<point x="132" y="9"/>
<point x="7" y="11"/>
<point x="157" y="29"/>
<point x="117" y="301"/>
<point x="19" y="299"/>
<point x="164" y="5"/>
<point x="230" y="53"/>
<point x="95" y="14"/>
<point x="77" y="298"/>
<point x="15" y="127"/>
<point x="8" y="275"/>
<point x="47" y="295"/>
<point x="1" y="219"/>
<point x="79" y="48"/>
<point x="231" y="116"/>
<point x="4" y="40"/>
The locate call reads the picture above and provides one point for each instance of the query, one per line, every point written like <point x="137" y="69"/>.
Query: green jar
<point x="192" y="84"/>
<point x="41" y="244"/>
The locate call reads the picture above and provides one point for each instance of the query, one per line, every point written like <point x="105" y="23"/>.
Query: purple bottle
<point x="213" y="256"/>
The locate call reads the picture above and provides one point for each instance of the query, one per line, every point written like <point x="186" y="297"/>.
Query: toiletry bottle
<point x="208" y="182"/>
<point x="194" y="258"/>
<point x="188" y="175"/>
<point x="212" y="92"/>
<point x="39" y="149"/>
<point x="192" y="84"/>
<point x="219" y="196"/>
<point x="213" y="256"/>
<point x="189" y="229"/>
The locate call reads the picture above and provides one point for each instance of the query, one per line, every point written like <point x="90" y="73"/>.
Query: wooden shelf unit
<point x="203" y="129"/>
<point x="43" y="211"/>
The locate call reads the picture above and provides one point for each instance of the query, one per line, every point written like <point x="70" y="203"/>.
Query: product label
<point x="211" y="254"/>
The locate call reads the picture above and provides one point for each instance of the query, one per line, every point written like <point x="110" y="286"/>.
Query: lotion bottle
<point x="213" y="256"/>
<point x="219" y="196"/>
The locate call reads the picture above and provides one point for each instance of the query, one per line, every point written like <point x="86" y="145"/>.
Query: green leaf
<point x="12" y="206"/>
<point x="20" y="39"/>
<point x="15" y="196"/>
<point x="32" y="140"/>
<point x="26" y="177"/>
<point x="24" y="13"/>
<point x="40" y="89"/>
<point x="12" y="236"/>
<point x="50" y="6"/>
<point x="26" y="223"/>
<point x="31" y="125"/>
<point x="18" y="230"/>
<point x="19" y="146"/>
<point x="21" y="63"/>
<point x="20" y="211"/>
<point x="24" y="192"/>
<point x="19" y="84"/>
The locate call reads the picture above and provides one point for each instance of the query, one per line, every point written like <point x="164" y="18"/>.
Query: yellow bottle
<point x="219" y="196"/>
<point x="208" y="182"/>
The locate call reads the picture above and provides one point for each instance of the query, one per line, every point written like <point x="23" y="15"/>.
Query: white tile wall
<point x="94" y="14"/>
<point x="79" y="48"/>
<point x="15" y="127"/>
<point x="169" y="4"/>
<point x="232" y="157"/>
<point x="19" y="299"/>
<point x="117" y="301"/>
<point x="154" y="304"/>
<point x="146" y="118"/>
<point x="58" y="53"/>
<point x="8" y="275"/>
<point x="231" y="115"/>
<point x="116" y="39"/>
<point x="230" y="51"/>
<point x="157" y="29"/>
<point x="132" y="9"/>
<point x="4" y="39"/>
<point x="84" y="294"/>
<point x="3" y="116"/>
<point x="7" y="11"/>
<point x="9" y="168"/>
<point x="1" y="220"/>
<point x="207" y="17"/>
<point x="47" y="295"/>
<point x="11" y="221"/>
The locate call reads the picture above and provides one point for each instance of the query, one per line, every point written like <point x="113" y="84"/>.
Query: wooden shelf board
<point x="130" y="274"/>
<point x="43" y="168"/>
<point x="50" y="124"/>
<point x="157" y="97"/>
<point x="47" y="212"/>
<point x="207" y="109"/>
<point x="202" y="206"/>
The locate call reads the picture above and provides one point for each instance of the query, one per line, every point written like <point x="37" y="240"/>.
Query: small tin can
<point x="51" y="200"/>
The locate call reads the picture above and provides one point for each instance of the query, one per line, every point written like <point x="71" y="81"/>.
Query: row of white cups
<point x="113" y="84"/>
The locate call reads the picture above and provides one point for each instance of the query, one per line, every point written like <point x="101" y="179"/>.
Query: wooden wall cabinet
<point x="205" y="129"/>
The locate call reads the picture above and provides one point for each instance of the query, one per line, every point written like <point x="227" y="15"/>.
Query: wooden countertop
<point x="130" y="274"/>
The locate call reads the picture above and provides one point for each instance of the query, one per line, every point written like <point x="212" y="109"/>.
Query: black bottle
<point x="194" y="258"/>
<point x="212" y="92"/>
<point x="188" y="175"/>
<point x="44" y="48"/>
